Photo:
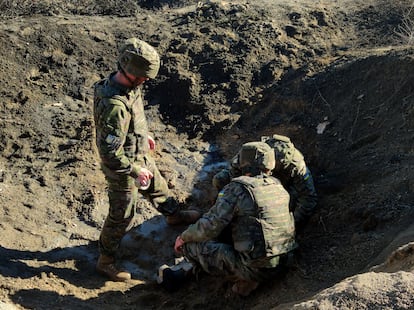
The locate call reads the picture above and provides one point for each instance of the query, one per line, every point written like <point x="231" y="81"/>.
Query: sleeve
<point x="307" y="197"/>
<point x="212" y="223"/>
<point x="114" y="129"/>
<point x="223" y="177"/>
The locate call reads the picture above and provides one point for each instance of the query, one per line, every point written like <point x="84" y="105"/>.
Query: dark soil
<point x="338" y="78"/>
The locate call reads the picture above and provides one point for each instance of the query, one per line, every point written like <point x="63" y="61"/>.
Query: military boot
<point x="183" y="217"/>
<point x="106" y="266"/>
<point x="172" y="278"/>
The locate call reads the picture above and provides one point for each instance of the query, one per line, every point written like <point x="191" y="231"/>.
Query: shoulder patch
<point x="113" y="142"/>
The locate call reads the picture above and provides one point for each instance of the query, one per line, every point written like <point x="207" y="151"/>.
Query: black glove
<point x="301" y="219"/>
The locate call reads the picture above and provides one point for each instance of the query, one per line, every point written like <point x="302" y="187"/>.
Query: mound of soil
<point x="337" y="78"/>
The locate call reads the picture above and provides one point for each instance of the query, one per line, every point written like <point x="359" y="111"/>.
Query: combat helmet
<point x="256" y="157"/>
<point x="138" y="58"/>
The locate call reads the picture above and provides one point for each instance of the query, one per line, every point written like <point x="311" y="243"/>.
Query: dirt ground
<point x="336" y="76"/>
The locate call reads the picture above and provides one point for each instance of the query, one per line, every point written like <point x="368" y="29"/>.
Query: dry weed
<point x="405" y="30"/>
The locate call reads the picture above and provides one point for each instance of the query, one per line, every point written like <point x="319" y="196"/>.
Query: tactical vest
<point x="266" y="228"/>
<point x="107" y="95"/>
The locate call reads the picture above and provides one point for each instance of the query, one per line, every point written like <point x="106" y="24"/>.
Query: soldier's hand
<point x="221" y="179"/>
<point x="144" y="177"/>
<point x="151" y="142"/>
<point x="178" y="246"/>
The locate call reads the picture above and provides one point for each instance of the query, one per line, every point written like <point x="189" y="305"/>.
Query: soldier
<point x="254" y="210"/>
<point x="123" y="144"/>
<point x="291" y="170"/>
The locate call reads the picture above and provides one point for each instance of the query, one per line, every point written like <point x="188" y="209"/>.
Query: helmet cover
<point x="257" y="155"/>
<point x="138" y="58"/>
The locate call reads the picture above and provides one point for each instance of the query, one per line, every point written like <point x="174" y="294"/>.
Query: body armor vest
<point x="265" y="228"/>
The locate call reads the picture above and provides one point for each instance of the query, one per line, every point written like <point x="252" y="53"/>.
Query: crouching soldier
<point x="291" y="170"/>
<point x="254" y="208"/>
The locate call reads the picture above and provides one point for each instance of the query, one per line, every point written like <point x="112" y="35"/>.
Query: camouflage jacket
<point x="290" y="169"/>
<point x="121" y="128"/>
<point x="257" y="211"/>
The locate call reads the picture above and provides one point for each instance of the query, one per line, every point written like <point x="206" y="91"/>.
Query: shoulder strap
<point x="104" y="91"/>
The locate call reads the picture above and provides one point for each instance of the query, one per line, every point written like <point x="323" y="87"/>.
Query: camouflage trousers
<point x="124" y="198"/>
<point x="221" y="259"/>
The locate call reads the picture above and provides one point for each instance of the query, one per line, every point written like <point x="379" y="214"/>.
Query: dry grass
<point x="405" y="30"/>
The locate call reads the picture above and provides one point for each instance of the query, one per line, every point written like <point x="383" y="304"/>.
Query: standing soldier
<point x="254" y="210"/>
<point x="123" y="144"/>
<point x="292" y="172"/>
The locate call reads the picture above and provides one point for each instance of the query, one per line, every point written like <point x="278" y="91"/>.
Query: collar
<point x="112" y="83"/>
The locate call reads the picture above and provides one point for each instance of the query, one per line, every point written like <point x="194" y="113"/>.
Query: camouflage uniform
<point x="291" y="170"/>
<point x="122" y="142"/>
<point x="254" y="211"/>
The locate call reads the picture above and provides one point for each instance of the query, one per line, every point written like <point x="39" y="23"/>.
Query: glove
<point x="300" y="220"/>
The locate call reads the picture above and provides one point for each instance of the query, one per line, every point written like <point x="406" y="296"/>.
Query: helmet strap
<point x="133" y="82"/>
